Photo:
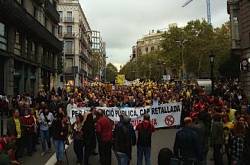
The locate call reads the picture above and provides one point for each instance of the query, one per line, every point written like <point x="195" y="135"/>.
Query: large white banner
<point x="164" y="115"/>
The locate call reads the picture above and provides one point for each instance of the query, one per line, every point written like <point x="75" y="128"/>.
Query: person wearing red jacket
<point x="28" y="124"/>
<point x="104" y="133"/>
<point x="145" y="130"/>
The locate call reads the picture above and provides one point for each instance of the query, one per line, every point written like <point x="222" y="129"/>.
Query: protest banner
<point x="164" y="115"/>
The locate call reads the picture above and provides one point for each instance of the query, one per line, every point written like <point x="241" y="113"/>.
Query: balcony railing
<point x="69" y="35"/>
<point x="68" y="51"/>
<point x="60" y="35"/>
<point x="69" y="19"/>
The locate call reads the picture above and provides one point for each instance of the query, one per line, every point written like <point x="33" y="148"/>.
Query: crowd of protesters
<point x="219" y="121"/>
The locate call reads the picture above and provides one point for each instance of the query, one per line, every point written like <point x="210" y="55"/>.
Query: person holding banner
<point x="145" y="130"/>
<point x="71" y="105"/>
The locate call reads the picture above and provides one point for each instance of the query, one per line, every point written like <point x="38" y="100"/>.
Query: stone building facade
<point x="29" y="48"/>
<point x="149" y="43"/>
<point x="239" y="11"/>
<point x="99" y="55"/>
<point x="74" y="31"/>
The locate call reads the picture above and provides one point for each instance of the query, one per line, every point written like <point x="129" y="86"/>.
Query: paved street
<point x="161" y="138"/>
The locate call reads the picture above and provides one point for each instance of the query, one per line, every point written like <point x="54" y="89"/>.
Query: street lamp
<point x="211" y="58"/>
<point x="182" y="45"/>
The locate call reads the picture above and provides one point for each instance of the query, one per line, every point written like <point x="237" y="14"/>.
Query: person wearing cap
<point x="145" y="130"/>
<point x="187" y="146"/>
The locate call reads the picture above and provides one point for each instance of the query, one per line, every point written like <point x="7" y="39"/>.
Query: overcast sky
<point x="123" y="22"/>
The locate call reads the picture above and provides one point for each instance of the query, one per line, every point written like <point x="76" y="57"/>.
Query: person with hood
<point x="124" y="138"/>
<point x="145" y="130"/>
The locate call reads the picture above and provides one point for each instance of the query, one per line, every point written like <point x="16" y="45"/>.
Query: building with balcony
<point x="98" y="47"/>
<point x="29" y="48"/>
<point x="239" y="11"/>
<point x="149" y="43"/>
<point x="74" y="31"/>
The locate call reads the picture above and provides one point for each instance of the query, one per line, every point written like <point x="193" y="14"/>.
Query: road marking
<point x="52" y="160"/>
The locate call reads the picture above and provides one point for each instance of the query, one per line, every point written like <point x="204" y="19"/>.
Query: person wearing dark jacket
<point x="246" y="152"/>
<point x="145" y="130"/>
<point x="124" y="138"/>
<point x="60" y="135"/>
<point x="104" y="133"/>
<point x="14" y="128"/>
<point x="88" y="130"/>
<point x="187" y="146"/>
<point x="203" y="130"/>
<point x="217" y="139"/>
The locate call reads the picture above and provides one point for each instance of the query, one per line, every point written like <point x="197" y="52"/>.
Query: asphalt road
<point x="160" y="139"/>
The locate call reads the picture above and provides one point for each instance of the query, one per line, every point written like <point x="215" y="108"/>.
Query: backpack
<point x="144" y="136"/>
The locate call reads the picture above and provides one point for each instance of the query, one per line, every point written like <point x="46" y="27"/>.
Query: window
<point x="60" y="30"/>
<point x="53" y="29"/>
<point x="20" y="1"/>
<point x="69" y="29"/>
<point x="17" y="49"/>
<point x="49" y="60"/>
<point x="3" y="37"/>
<point x="68" y="45"/>
<point x="69" y="14"/>
<point x="68" y="63"/>
<point x="26" y="46"/>
<point x="44" y="57"/>
<point x="35" y="14"/>
<point x="45" y="22"/>
<point x="152" y="48"/>
<point x="146" y="49"/>
<point x="53" y="60"/>
<point x="61" y="15"/>
<point x="32" y="50"/>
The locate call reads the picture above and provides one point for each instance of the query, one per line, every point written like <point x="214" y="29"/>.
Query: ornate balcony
<point x="50" y="9"/>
